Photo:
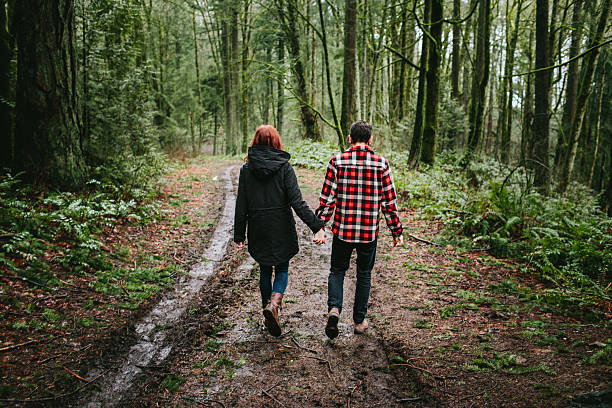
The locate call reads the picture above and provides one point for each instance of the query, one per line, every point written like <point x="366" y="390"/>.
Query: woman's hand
<point x="240" y="244"/>
<point x="320" y="237"/>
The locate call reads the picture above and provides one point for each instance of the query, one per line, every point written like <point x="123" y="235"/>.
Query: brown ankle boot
<point x="271" y="314"/>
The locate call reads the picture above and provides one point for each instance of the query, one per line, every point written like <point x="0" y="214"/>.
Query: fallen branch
<point x="425" y="371"/>
<point x="323" y="361"/>
<point x="75" y="374"/>
<point x="301" y="347"/>
<point x="272" y="397"/>
<point x="409" y="399"/>
<point x="423" y="240"/>
<point x="348" y="403"/>
<point x="13" y="347"/>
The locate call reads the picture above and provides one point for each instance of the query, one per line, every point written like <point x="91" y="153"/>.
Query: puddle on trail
<point x="153" y="346"/>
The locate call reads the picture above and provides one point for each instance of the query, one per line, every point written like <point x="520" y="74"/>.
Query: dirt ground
<point x="447" y="330"/>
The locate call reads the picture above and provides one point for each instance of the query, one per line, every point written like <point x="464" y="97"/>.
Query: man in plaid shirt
<point x="358" y="184"/>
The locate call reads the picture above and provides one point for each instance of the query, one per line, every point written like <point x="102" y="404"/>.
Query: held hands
<point x="320" y="237"/>
<point x="398" y="241"/>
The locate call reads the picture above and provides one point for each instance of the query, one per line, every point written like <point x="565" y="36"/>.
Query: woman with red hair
<point x="267" y="191"/>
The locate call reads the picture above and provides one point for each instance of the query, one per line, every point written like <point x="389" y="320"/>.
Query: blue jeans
<point x="281" y="276"/>
<point x="340" y="260"/>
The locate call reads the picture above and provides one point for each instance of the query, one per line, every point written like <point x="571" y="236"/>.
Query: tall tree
<point x="505" y="111"/>
<point x="227" y="85"/>
<point x="348" y="89"/>
<point x="417" y="134"/>
<point x="48" y="123"/>
<point x="6" y="138"/>
<point x="541" y="122"/>
<point x="583" y="95"/>
<point x="571" y="88"/>
<point x="480" y="78"/>
<point x="288" y="11"/>
<point x="430" y="125"/>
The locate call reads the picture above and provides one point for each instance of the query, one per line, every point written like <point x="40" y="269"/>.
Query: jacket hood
<point x="264" y="161"/>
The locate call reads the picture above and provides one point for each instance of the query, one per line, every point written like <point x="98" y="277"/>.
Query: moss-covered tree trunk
<point x="428" y="150"/>
<point x="480" y="78"/>
<point x="417" y="133"/>
<point x="48" y="124"/>
<point x="541" y="120"/>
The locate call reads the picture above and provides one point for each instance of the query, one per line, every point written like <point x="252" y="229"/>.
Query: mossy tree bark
<point x="48" y="124"/>
<point x="428" y="150"/>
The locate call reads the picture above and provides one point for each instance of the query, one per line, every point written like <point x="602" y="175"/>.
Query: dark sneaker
<point x="331" y="329"/>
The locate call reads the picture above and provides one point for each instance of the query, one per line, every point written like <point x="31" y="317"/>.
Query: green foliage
<point x="312" y="155"/>
<point x="492" y="207"/>
<point x="45" y="229"/>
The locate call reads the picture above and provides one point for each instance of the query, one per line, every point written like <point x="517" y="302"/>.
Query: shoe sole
<point x="331" y="329"/>
<point x="271" y="324"/>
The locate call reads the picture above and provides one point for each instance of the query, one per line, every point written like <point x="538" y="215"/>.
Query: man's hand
<point x="240" y="244"/>
<point x="320" y="237"/>
<point x="398" y="241"/>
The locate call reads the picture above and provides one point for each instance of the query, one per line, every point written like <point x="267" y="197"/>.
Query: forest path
<point x="448" y="329"/>
<point x="237" y="364"/>
<point x="153" y="345"/>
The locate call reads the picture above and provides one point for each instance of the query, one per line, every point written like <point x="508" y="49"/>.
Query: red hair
<point x="266" y="135"/>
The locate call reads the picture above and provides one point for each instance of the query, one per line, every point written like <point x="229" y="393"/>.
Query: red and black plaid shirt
<point x="358" y="184"/>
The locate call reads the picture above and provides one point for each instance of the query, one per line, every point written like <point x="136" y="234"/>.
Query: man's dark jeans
<point x="340" y="260"/>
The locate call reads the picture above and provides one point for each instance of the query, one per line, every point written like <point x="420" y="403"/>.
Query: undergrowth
<point x="494" y="208"/>
<point x="44" y="231"/>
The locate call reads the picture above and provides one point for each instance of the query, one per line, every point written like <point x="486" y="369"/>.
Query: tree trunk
<point x="198" y="82"/>
<point x="428" y="149"/>
<point x="227" y="85"/>
<point x="542" y="102"/>
<point x="455" y="65"/>
<point x="244" y="101"/>
<point x="417" y="135"/>
<point x="571" y="89"/>
<point x="235" y="69"/>
<point x="348" y="82"/>
<point x="527" y="122"/>
<point x="480" y="77"/>
<point x="48" y="131"/>
<point x="505" y="120"/>
<point x="280" y="102"/>
<point x="6" y="126"/>
<point x="597" y="126"/>
<point x="583" y="95"/>
<point x="289" y="18"/>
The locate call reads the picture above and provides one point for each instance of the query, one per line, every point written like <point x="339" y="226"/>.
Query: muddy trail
<point x="447" y="330"/>
<point x="204" y="343"/>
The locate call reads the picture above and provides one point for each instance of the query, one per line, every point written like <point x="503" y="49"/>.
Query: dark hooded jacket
<point x="267" y="191"/>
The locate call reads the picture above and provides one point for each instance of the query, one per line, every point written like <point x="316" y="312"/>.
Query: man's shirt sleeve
<point x="327" y="198"/>
<point x="389" y="203"/>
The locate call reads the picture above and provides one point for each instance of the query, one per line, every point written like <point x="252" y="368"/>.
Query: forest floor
<point x="447" y="329"/>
